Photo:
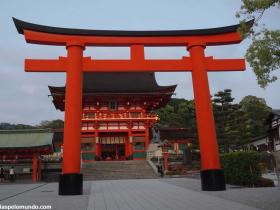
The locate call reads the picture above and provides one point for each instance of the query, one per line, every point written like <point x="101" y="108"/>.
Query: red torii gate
<point x="74" y="64"/>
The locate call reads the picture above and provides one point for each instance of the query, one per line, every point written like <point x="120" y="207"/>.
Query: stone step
<point x="114" y="170"/>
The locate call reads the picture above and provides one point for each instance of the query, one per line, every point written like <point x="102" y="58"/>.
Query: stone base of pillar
<point x="70" y="184"/>
<point x="213" y="180"/>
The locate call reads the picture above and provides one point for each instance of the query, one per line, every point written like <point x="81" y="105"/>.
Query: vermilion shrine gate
<point x="74" y="64"/>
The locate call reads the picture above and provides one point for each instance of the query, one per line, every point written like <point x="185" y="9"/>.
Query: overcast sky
<point x="24" y="96"/>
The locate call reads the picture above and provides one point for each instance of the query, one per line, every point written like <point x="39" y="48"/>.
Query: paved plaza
<point x="149" y="194"/>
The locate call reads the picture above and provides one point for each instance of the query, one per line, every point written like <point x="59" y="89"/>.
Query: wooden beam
<point x="39" y="65"/>
<point x="116" y="41"/>
<point x="138" y="65"/>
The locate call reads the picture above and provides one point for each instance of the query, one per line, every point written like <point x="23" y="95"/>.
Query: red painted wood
<point x="183" y="65"/>
<point x="165" y="161"/>
<point x="97" y="147"/>
<point x="34" y="168"/>
<point x="204" y="113"/>
<point x="62" y="40"/>
<point x="147" y="137"/>
<point x="73" y="111"/>
<point x="39" y="176"/>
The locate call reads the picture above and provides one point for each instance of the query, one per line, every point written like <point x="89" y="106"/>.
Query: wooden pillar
<point x="97" y="146"/>
<point x="147" y="136"/>
<point x="212" y="176"/>
<point x="130" y="142"/>
<point x="39" y="176"/>
<point x="126" y="146"/>
<point x="34" y="167"/>
<point x="71" y="181"/>
<point x="165" y="161"/>
<point x="131" y="147"/>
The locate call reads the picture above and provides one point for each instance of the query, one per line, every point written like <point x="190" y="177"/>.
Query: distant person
<point x="12" y="174"/>
<point x="2" y="175"/>
<point x="160" y="170"/>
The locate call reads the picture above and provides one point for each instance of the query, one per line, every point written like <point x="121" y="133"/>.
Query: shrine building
<point x="20" y="147"/>
<point x="118" y="111"/>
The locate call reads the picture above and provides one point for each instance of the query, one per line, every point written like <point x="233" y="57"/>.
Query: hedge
<point x="242" y="168"/>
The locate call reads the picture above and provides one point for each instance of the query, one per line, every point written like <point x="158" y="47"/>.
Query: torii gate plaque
<point x="74" y="64"/>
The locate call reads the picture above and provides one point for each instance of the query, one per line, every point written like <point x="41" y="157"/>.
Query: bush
<point x="242" y="168"/>
<point x="263" y="182"/>
<point x="172" y="173"/>
<point x="195" y="165"/>
<point x="267" y="162"/>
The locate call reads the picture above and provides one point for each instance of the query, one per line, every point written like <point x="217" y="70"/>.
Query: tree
<point x="264" y="52"/>
<point x="178" y="113"/>
<point x="51" y="124"/>
<point x="236" y="123"/>
<point x="225" y="113"/>
<point x="256" y="112"/>
<point x="8" y="126"/>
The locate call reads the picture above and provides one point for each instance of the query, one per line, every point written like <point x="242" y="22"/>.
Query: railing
<point x="123" y="116"/>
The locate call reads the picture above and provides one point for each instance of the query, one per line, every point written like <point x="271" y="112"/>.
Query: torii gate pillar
<point x="212" y="176"/>
<point x="71" y="180"/>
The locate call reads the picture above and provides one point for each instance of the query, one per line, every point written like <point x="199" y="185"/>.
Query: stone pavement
<point x="267" y="198"/>
<point x="149" y="194"/>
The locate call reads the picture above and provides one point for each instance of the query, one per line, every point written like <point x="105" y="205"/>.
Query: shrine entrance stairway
<point x="114" y="170"/>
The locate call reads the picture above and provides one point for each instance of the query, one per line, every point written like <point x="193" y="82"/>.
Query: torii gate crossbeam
<point x="74" y="64"/>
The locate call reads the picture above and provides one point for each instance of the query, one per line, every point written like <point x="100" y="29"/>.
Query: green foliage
<point x="52" y="124"/>
<point x="256" y="113"/>
<point x="241" y="168"/>
<point x="254" y="9"/>
<point x="178" y="113"/>
<point x="223" y="97"/>
<point x="170" y="173"/>
<point x="225" y="117"/>
<point x="44" y="124"/>
<point x="8" y="126"/>
<point x="263" y="182"/>
<point x="264" y="56"/>
<point x="235" y="123"/>
<point x="264" y="52"/>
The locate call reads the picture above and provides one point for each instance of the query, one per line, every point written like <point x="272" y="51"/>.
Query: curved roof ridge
<point x="119" y="83"/>
<point x="22" y="25"/>
<point x="167" y="86"/>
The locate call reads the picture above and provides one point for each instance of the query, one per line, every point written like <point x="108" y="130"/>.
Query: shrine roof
<point x="22" y="25"/>
<point x="119" y="83"/>
<point x="58" y="136"/>
<point x="28" y="138"/>
<point x="276" y="112"/>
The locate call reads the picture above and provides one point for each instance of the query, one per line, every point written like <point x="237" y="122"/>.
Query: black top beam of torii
<point x="22" y="25"/>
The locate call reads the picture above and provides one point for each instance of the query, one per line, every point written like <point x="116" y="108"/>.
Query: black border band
<point x="213" y="180"/>
<point x="70" y="184"/>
